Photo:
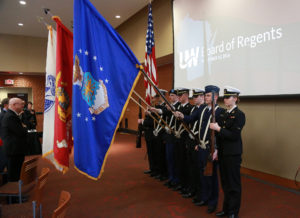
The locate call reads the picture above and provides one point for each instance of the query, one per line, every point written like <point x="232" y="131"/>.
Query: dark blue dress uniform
<point x="194" y="119"/>
<point x="180" y="148"/>
<point x="192" y="158"/>
<point x="180" y="144"/>
<point x="160" y="146"/>
<point x="210" y="186"/>
<point x="192" y="154"/>
<point x="170" y="143"/>
<point x="208" y="191"/>
<point x="229" y="154"/>
<point x="148" y="126"/>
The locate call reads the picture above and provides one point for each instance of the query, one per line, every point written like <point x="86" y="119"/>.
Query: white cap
<point x="229" y="90"/>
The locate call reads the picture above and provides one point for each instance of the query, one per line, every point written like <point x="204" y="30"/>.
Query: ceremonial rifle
<point x="158" y="116"/>
<point x="135" y="101"/>
<point x="167" y="102"/>
<point x="140" y="129"/>
<point x="208" y="171"/>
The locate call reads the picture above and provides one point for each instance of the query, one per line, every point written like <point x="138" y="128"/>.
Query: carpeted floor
<point x="124" y="191"/>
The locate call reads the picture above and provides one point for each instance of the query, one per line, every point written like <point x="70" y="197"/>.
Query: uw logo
<point x="189" y="58"/>
<point x="49" y="93"/>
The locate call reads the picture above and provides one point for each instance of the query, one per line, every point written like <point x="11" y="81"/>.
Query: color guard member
<point x="229" y="141"/>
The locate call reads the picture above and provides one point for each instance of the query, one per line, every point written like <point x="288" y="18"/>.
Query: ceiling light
<point x="20" y="24"/>
<point x="20" y="72"/>
<point x="22" y="2"/>
<point x="118" y="16"/>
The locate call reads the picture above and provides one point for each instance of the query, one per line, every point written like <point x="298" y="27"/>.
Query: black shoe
<point x="167" y="183"/>
<point x="233" y="216"/>
<point x="221" y="214"/>
<point x="172" y="185"/>
<point x="163" y="178"/>
<point x="195" y="200"/>
<point x="157" y="176"/>
<point x="147" y="172"/>
<point x="153" y="174"/>
<point x="183" y="191"/>
<point x="211" y="209"/>
<point x="177" y="188"/>
<point x="200" y="203"/>
<point x="188" y="195"/>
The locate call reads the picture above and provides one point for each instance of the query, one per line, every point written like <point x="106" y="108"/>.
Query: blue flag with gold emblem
<point x="104" y="75"/>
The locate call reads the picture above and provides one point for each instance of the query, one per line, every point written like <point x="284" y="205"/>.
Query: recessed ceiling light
<point x="22" y="2"/>
<point x="20" y="24"/>
<point x="118" y="16"/>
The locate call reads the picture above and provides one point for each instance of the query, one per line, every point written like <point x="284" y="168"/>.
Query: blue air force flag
<point x="103" y="77"/>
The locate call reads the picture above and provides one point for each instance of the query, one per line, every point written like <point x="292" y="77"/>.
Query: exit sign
<point x="9" y="82"/>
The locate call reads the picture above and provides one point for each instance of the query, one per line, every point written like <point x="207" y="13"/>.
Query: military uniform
<point x="229" y="154"/>
<point x="193" y="180"/>
<point x="208" y="190"/>
<point x="170" y="143"/>
<point x="180" y="144"/>
<point x="191" y="157"/>
<point x="210" y="187"/>
<point x="148" y="125"/>
<point x="160" y="146"/>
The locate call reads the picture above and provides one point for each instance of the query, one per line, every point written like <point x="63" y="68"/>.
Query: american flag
<point x="150" y="61"/>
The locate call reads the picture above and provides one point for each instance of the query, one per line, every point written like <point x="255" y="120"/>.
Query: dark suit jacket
<point x="29" y="119"/>
<point x="3" y="112"/>
<point x="14" y="134"/>
<point x="229" y="139"/>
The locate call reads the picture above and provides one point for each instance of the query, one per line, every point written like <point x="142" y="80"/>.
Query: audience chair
<point x="63" y="205"/>
<point x="25" y="184"/>
<point x="29" y="208"/>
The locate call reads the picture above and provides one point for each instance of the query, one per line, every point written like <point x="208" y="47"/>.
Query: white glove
<point x="191" y="136"/>
<point x="202" y="145"/>
<point x="168" y="130"/>
<point x="155" y="133"/>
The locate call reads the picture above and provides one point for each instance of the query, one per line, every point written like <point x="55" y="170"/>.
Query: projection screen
<point x="253" y="45"/>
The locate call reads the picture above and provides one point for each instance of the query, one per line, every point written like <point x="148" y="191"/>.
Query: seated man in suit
<point x="14" y="135"/>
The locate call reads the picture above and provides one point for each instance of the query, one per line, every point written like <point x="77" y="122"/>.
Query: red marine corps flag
<point x="63" y="96"/>
<point x="150" y="61"/>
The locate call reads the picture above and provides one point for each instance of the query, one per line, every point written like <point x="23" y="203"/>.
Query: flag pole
<point x="165" y="123"/>
<point x="167" y="102"/>
<point x="135" y="101"/>
<point x="41" y="20"/>
<point x="47" y="11"/>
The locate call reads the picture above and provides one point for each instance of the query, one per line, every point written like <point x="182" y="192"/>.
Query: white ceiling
<point x="12" y="13"/>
